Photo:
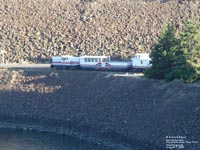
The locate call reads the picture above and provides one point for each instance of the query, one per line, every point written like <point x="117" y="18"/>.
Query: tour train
<point x="138" y="63"/>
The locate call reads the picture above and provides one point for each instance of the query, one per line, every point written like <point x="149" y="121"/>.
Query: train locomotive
<point x="138" y="63"/>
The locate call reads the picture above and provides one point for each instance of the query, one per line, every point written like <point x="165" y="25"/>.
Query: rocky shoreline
<point x="113" y="109"/>
<point x="109" y="140"/>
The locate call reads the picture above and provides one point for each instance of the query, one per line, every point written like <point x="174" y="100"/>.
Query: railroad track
<point x="25" y="66"/>
<point x="47" y="66"/>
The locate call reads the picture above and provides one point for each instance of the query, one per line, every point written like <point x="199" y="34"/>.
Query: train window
<point x="105" y="59"/>
<point x="64" y="58"/>
<point x="85" y="59"/>
<point x="141" y="62"/>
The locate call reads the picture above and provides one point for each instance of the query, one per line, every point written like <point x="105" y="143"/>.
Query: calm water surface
<point x="30" y="140"/>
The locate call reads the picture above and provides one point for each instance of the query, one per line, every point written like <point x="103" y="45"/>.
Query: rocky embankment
<point x="119" y="110"/>
<point x="35" y="30"/>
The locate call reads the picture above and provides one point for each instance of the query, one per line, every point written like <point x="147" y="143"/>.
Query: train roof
<point x="65" y="56"/>
<point x="142" y="56"/>
<point x="88" y="56"/>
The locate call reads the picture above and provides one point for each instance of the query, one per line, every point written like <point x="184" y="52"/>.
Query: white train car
<point x="140" y="62"/>
<point x="103" y="63"/>
<point x="118" y="65"/>
<point x="65" y="61"/>
<point x="93" y="62"/>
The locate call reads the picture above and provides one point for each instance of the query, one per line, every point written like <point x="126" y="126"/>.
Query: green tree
<point x="163" y="54"/>
<point x="190" y="43"/>
<point x="177" y="58"/>
<point x="190" y="51"/>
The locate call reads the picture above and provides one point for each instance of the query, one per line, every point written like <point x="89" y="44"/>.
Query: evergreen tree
<point x="163" y="54"/>
<point x="190" y="42"/>
<point x="190" y="48"/>
<point x="177" y="58"/>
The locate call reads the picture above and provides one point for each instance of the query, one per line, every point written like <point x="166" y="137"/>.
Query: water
<point x="30" y="140"/>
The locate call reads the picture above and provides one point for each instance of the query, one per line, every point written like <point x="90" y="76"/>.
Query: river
<point x="11" y="139"/>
